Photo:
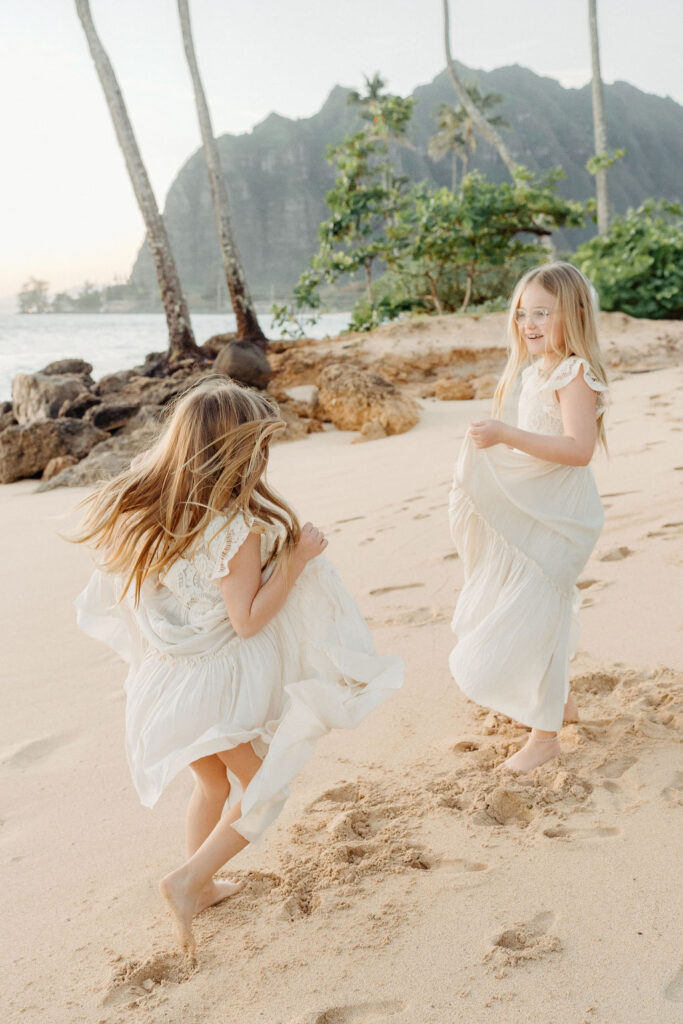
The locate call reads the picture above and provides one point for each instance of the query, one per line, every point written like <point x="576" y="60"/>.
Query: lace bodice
<point x="192" y="578"/>
<point x="539" y="409"/>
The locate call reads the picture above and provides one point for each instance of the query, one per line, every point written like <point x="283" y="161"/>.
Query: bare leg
<point x="182" y="889"/>
<point x="540" y="747"/>
<point x="571" y="710"/>
<point x="203" y="814"/>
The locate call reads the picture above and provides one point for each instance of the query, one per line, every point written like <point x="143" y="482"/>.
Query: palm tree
<point x="248" y="326"/>
<point x="456" y="129"/>
<point x="450" y="138"/>
<point x="181" y="338"/>
<point x="599" y="127"/>
<point x="482" y="124"/>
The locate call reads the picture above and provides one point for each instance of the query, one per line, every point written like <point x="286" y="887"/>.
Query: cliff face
<point x="277" y="176"/>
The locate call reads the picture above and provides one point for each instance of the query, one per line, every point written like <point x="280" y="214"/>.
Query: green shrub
<point x="638" y="267"/>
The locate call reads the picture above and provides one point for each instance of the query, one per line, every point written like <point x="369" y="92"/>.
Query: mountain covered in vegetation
<point x="277" y="175"/>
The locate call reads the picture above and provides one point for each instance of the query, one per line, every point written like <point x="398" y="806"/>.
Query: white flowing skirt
<point x="524" y="529"/>
<point x="191" y="693"/>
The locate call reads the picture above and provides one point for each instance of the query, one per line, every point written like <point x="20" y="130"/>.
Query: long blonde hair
<point x="210" y="460"/>
<point x="576" y="302"/>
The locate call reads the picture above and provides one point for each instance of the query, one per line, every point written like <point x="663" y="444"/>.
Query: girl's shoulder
<point x="567" y="371"/>
<point x="222" y="538"/>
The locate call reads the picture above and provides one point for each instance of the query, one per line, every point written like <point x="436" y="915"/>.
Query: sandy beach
<point x="405" y="882"/>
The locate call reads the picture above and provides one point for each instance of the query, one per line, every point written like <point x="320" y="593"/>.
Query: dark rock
<point x="112" y="415"/>
<point x="216" y="343"/>
<point x="76" y="407"/>
<point x="113" y="382"/>
<point x="75" y="366"/>
<point x="155" y="365"/>
<point x="244" y="362"/>
<point x="26" y="450"/>
<point x="39" y="396"/>
<point x="6" y="416"/>
<point x="147" y="417"/>
<point x="105" y="460"/>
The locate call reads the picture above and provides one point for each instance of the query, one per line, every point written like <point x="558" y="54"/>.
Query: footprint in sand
<point x="524" y="942"/>
<point x="343" y="793"/>
<point x="595" y="832"/>
<point x="587" y="584"/>
<point x="450" y="557"/>
<point x="673" y="793"/>
<point x="25" y="755"/>
<point x="615" y="769"/>
<point x="351" y="519"/>
<point x="616" y="554"/>
<point x="360" y="1013"/>
<point x="666" y="530"/>
<point x="674" y="990"/>
<point x="457" y="864"/>
<point x="140" y="978"/>
<point x="389" y="590"/>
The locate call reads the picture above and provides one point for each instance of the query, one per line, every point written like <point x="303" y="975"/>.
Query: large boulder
<point x="105" y="461"/>
<point x="351" y="397"/>
<point x="76" y="407"/>
<point x="69" y="366"/>
<point x="111" y="415"/>
<point x="40" y="396"/>
<point x="26" y="450"/>
<point x="245" y="362"/>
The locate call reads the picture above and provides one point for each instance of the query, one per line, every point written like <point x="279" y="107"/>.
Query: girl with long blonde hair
<point x="525" y="512"/>
<point x="243" y="645"/>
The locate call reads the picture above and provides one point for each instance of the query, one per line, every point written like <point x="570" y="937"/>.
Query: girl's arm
<point x="573" y="448"/>
<point x="249" y="605"/>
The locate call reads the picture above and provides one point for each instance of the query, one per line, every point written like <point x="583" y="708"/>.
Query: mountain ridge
<point x="277" y="176"/>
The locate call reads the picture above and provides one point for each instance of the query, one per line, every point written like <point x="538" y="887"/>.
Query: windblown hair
<point x="576" y="304"/>
<point x="210" y="460"/>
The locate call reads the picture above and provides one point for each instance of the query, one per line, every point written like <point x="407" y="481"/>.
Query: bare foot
<point x="571" y="710"/>
<point x="534" y="753"/>
<point x="181" y="902"/>
<point x="214" y="892"/>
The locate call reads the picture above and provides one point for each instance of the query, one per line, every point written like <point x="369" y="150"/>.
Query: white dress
<point x="524" y="529"/>
<point x="195" y="688"/>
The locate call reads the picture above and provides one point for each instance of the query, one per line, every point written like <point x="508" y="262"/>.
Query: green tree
<point x="455" y="129"/>
<point x="637" y="266"/>
<point x="367" y="196"/>
<point x="33" y="296"/>
<point x="448" y="244"/>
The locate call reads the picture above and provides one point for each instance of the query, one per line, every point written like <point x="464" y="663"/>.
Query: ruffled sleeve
<point x="565" y="373"/>
<point x="225" y="543"/>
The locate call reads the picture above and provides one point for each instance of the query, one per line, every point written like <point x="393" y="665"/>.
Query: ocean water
<point x="110" y="341"/>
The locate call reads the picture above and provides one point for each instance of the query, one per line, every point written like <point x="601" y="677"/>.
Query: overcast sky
<point x="67" y="210"/>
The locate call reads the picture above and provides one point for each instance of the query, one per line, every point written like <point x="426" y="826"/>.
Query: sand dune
<point x="406" y="882"/>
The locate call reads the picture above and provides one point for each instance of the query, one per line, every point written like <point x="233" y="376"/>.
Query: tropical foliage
<point x="638" y="266"/>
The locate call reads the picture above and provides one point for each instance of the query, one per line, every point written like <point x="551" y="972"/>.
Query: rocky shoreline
<point x="66" y="429"/>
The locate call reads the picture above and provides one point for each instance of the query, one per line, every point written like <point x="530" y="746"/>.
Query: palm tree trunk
<point x="485" y="128"/>
<point x="248" y="326"/>
<point x="454" y="170"/>
<point x="181" y="338"/>
<point x="599" y="127"/>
